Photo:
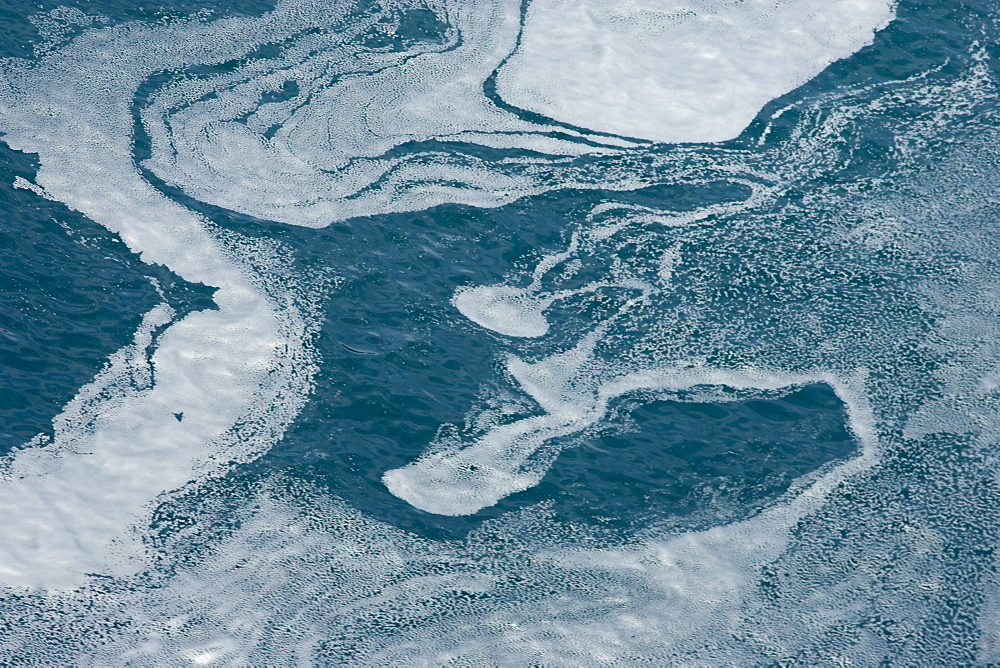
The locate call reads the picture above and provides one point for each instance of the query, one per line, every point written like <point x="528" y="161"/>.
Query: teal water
<point x="844" y="244"/>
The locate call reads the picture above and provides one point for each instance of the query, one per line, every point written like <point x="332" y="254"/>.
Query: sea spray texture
<point x="71" y="508"/>
<point x="846" y="240"/>
<point x="192" y="357"/>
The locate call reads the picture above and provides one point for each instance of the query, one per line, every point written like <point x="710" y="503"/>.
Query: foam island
<point x="677" y="71"/>
<point x="505" y="309"/>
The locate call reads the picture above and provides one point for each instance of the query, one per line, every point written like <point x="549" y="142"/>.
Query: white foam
<point x="677" y="71"/>
<point x="330" y="584"/>
<point x="575" y="391"/>
<point x="504" y="309"/>
<point x="78" y="506"/>
<point x="311" y="164"/>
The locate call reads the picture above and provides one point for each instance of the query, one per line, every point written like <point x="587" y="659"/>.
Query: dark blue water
<point x="894" y="145"/>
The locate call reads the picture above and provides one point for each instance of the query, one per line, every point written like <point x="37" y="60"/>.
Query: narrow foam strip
<point x="575" y="394"/>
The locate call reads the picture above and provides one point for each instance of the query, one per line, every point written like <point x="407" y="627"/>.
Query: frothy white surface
<point x="676" y="71"/>
<point x="237" y="375"/>
<point x="328" y="582"/>
<point x="575" y="394"/>
<point x="332" y="157"/>
<point x="330" y="152"/>
<point x="504" y="309"/>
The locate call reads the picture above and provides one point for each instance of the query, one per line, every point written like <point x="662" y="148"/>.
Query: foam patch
<point x="507" y="310"/>
<point x="73" y="507"/>
<point x="332" y="150"/>
<point x="673" y="71"/>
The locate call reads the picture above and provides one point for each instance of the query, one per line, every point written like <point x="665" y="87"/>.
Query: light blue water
<point x="840" y="254"/>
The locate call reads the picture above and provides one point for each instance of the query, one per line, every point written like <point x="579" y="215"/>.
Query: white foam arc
<point x="78" y="506"/>
<point x="463" y="481"/>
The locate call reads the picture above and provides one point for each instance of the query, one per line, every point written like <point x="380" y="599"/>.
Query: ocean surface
<point x="499" y="332"/>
